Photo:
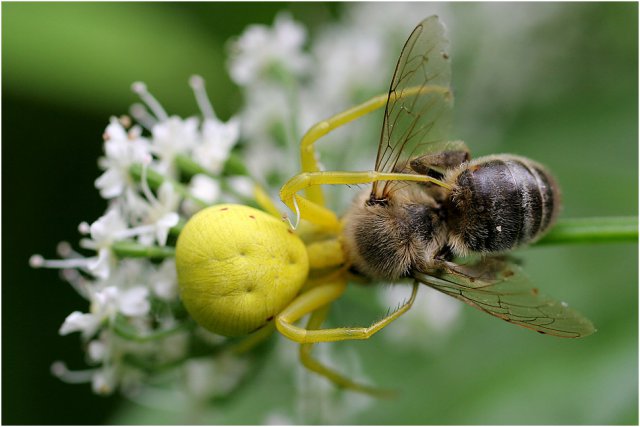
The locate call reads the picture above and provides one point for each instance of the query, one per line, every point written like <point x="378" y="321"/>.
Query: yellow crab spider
<point x="240" y="268"/>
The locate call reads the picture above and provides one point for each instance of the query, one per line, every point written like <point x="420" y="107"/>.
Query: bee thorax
<point x="387" y="241"/>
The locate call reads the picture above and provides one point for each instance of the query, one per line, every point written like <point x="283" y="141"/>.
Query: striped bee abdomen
<point x="500" y="202"/>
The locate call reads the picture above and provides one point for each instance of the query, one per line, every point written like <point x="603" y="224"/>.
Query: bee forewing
<point x="500" y="289"/>
<point x="419" y="105"/>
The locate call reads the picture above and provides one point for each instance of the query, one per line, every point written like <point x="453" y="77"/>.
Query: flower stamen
<point x="197" y="84"/>
<point x="59" y="369"/>
<point x="38" y="261"/>
<point x="142" y="116"/>
<point x="140" y="89"/>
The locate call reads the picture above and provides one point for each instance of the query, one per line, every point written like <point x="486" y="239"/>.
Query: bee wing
<point x="500" y="289"/>
<point x="418" y="113"/>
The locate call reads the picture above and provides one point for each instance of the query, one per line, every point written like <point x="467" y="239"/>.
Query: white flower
<point x="164" y="280"/>
<point x="218" y="138"/>
<point x="134" y="302"/>
<point x="204" y="188"/>
<point x="347" y="68"/>
<point x="207" y="377"/>
<point x="171" y="137"/>
<point x="242" y="185"/>
<point x="104" y="380"/>
<point x="162" y="214"/>
<point x="266" y="107"/>
<point x="80" y="322"/>
<point x="106" y="230"/>
<point x="154" y="216"/>
<point x="97" y="350"/>
<point x="432" y="311"/>
<point x="105" y="304"/>
<point x="260" y="50"/>
<point x="121" y="149"/>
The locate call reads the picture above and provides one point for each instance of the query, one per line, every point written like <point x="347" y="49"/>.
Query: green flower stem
<point x="566" y="231"/>
<point x="233" y="166"/>
<point x="592" y="230"/>
<point x="131" y="249"/>
<point x="155" y="180"/>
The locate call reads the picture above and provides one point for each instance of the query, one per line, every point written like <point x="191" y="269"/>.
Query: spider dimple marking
<point x="289" y="231"/>
<point x="252" y="217"/>
<point x="249" y="289"/>
<point x="224" y="209"/>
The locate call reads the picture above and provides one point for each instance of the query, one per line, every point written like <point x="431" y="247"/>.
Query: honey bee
<point x="430" y="203"/>
<point x="486" y="206"/>
<point x="492" y="204"/>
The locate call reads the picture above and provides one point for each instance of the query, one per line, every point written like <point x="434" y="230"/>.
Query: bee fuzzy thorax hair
<point x="387" y="240"/>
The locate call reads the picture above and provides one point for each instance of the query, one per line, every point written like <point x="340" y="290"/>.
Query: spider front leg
<point x="308" y="156"/>
<point x="320" y="215"/>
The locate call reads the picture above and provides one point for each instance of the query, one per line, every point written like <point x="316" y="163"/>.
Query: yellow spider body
<point x="238" y="267"/>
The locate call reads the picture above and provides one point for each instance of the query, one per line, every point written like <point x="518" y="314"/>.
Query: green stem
<point x="593" y="230"/>
<point x="131" y="249"/>
<point x="234" y="165"/>
<point x="566" y="231"/>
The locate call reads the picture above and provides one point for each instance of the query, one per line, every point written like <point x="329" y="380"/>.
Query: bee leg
<point x="436" y="164"/>
<point x="315" y="321"/>
<point x="445" y="254"/>
<point x="320" y="296"/>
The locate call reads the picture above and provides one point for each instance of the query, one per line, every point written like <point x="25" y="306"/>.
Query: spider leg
<point x="322" y="295"/>
<point x="250" y="342"/>
<point x="320" y="215"/>
<point x="264" y="201"/>
<point x="315" y="321"/>
<point x="308" y="157"/>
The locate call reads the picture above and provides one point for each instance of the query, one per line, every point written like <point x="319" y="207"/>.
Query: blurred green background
<point x="67" y="67"/>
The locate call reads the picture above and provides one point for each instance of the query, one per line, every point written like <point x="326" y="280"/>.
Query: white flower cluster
<point x="133" y="301"/>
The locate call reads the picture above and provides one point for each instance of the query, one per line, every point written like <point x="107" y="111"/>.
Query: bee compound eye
<point x="238" y="267"/>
